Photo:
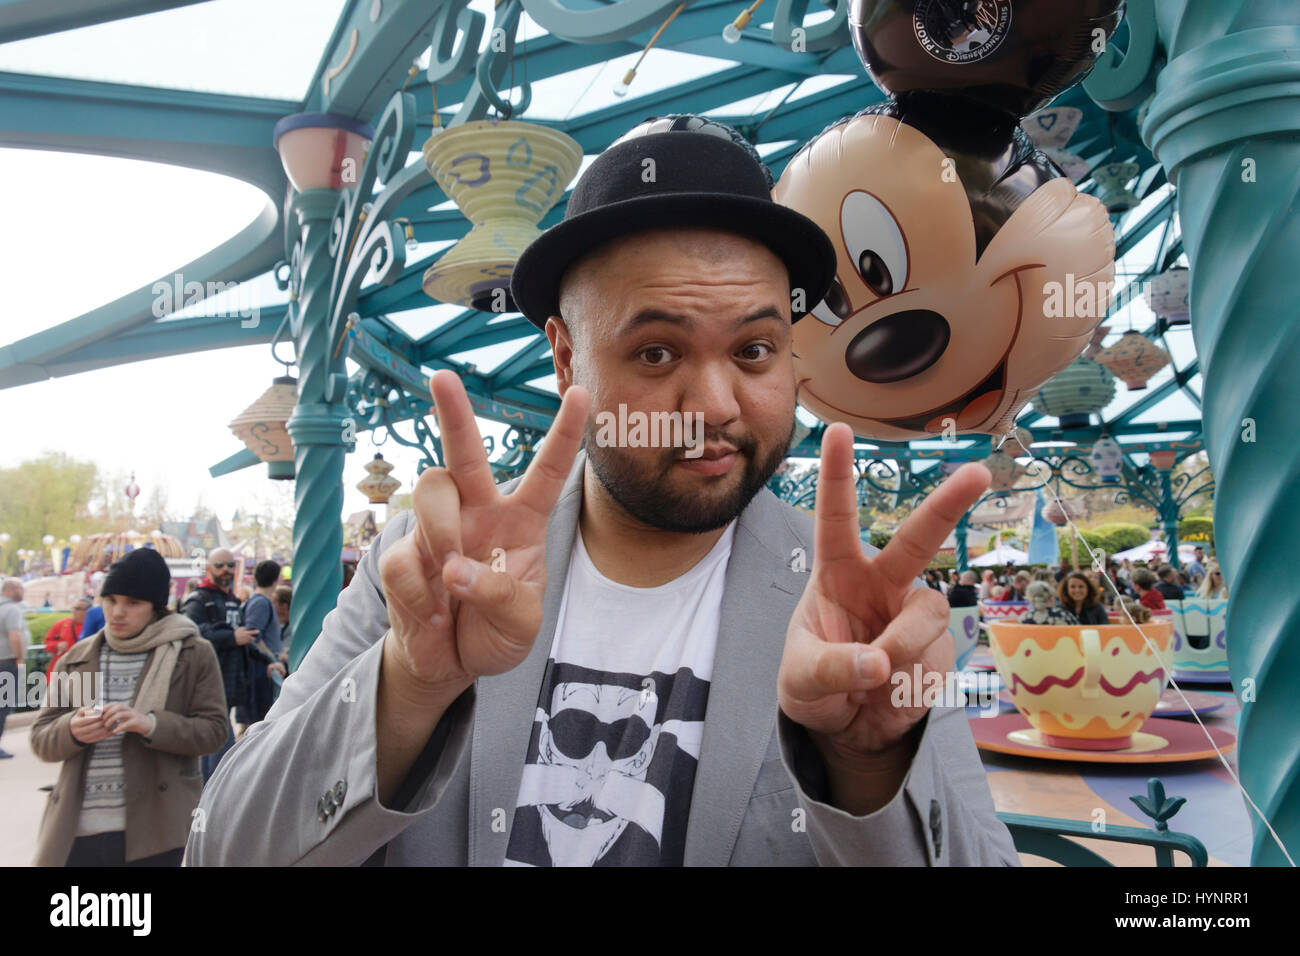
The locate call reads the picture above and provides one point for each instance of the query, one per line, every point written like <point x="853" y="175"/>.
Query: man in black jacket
<point x="963" y="594"/>
<point x="216" y="610"/>
<point x="1168" y="584"/>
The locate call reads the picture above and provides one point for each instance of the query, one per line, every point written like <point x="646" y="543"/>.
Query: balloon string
<point x="1101" y="570"/>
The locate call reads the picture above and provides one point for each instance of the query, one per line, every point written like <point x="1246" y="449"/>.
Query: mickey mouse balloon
<point x="951" y="231"/>
<point x="1015" y="55"/>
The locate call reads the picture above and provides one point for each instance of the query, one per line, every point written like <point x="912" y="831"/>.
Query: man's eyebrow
<point x="646" y="316"/>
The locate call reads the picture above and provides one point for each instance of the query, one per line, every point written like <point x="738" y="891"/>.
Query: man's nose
<point x="711" y="390"/>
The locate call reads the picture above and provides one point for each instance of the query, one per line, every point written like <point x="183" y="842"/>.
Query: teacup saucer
<point x="1159" y="741"/>
<point x="1202" y="677"/>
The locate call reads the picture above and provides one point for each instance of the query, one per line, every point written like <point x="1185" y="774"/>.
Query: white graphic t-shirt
<point x="616" y="739"/>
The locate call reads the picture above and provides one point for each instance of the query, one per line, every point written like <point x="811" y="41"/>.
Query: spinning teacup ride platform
<point x="1093" y="719"/>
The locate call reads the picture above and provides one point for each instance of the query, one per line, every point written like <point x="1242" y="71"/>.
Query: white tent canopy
<point x="1000" y="556"/>
<point x="1155" y="551"/>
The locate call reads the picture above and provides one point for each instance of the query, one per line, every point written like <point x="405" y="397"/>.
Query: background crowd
<point x="1065" y="595"/>
<point x="174" y="688"/>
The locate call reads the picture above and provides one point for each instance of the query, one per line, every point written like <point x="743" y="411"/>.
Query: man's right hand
<point x="465" y="587"/>
<point x="88" y="727"/>
<point x="245" y="636"/>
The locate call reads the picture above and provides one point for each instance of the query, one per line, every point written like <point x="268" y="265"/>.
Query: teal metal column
<point x="1225" y="123"/>
<point x="1169" y="515"/>
<point x="963" y="559"/>
<point x="317" y="430"/>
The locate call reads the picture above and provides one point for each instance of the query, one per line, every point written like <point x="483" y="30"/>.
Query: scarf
<point x="166" y="635"/>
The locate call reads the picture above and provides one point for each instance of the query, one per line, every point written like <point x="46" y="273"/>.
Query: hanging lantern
<point x="1107" y="459"/>
<point x="504" y="176"/>
<point x="1083" y="389"/>
<point x="1075" y="167"/>
<point x="377" y="486"/>
<point x="1112" y="186"/>
<point x="1164" y="459"/>
<point x="1054" y="513"/>
<point x="1052" y="127"/>
<point x="1018" y="444"/>
<point x="263" y="427"/>
<point x="132" y="491"/>
<point x="321" y="150"/>
<point x="1167" y="295"/>
<point x="1134" y="358"/>
<point x="1006" y="470"/>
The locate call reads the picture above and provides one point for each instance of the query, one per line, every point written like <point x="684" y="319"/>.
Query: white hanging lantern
<point x="1168" y="295"/>
<point x="1107" y="459"/>
<point x="1112" y="186"/>
<point x="1052" y="127"/>
<point x="1134" y="358"/>
<point x="378" y="486"/>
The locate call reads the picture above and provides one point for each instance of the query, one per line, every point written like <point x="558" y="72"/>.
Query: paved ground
<point x="21" y="800"/>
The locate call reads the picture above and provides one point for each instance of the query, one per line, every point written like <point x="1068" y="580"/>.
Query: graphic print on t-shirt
<point x="610" y="764"/>
<point x="619" y="721"/>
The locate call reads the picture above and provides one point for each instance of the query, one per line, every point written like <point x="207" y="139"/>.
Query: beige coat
<point x="163" y="778"/>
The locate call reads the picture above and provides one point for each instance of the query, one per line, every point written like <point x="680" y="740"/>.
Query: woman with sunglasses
<point x="1213" y="585"/>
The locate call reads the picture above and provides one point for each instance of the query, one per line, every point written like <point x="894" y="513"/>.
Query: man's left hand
<point x="121" y="719"/>
<point x="862" y="619"/>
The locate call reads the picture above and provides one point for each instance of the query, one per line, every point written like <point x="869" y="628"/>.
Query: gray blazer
<point x="300" y="787"/>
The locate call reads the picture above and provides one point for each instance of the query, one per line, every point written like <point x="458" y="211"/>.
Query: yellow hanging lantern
<point x="504" y="176"/>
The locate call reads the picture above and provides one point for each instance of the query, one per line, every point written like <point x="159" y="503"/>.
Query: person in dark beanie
<point x="259" y="615"/>
<point x="130" y="779"/>
<point x="217" y="612"/>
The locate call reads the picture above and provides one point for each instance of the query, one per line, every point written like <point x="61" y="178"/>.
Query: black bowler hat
<point x="704" y="174"/>
<point x="141" y="574"/>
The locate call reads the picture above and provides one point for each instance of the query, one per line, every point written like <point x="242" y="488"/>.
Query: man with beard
<point x="215" y="609"/>
<point x="631" y="655"/>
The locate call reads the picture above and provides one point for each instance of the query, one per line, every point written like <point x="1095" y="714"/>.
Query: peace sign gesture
<point x="862" y="619"/>
<point x="465" y="587"/>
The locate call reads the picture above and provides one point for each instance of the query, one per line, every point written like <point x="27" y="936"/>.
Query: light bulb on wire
<point x="731" y="32"/>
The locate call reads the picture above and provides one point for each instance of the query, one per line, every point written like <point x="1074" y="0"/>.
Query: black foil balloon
<point x="1013" y="55"/>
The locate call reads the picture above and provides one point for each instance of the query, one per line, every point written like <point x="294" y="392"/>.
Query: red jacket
<point x="59" y="640"/>
<point x="1154" y="600"/>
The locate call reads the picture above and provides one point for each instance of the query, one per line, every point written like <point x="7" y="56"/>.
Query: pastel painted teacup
<point x="1003" y="610"/>
<point x="964" y="626"/>
<point x="1200" y="636"/>
<point x="1081" y="686"/>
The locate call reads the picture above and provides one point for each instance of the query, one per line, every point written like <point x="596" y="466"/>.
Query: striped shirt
<point x="103" y="799"/>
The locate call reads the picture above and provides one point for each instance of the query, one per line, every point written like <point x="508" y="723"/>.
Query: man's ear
<point x="557" y="333"/>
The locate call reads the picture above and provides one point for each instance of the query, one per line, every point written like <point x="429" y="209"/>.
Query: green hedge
<point x="39" y="624"/>
<point x="1111" y="538"/>
<point x="1197" y="529"/>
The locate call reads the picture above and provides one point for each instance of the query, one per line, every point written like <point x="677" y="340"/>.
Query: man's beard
<point x="644" y="494"/>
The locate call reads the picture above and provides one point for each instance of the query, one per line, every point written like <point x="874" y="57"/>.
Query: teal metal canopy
<point x="565" y="61"/>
